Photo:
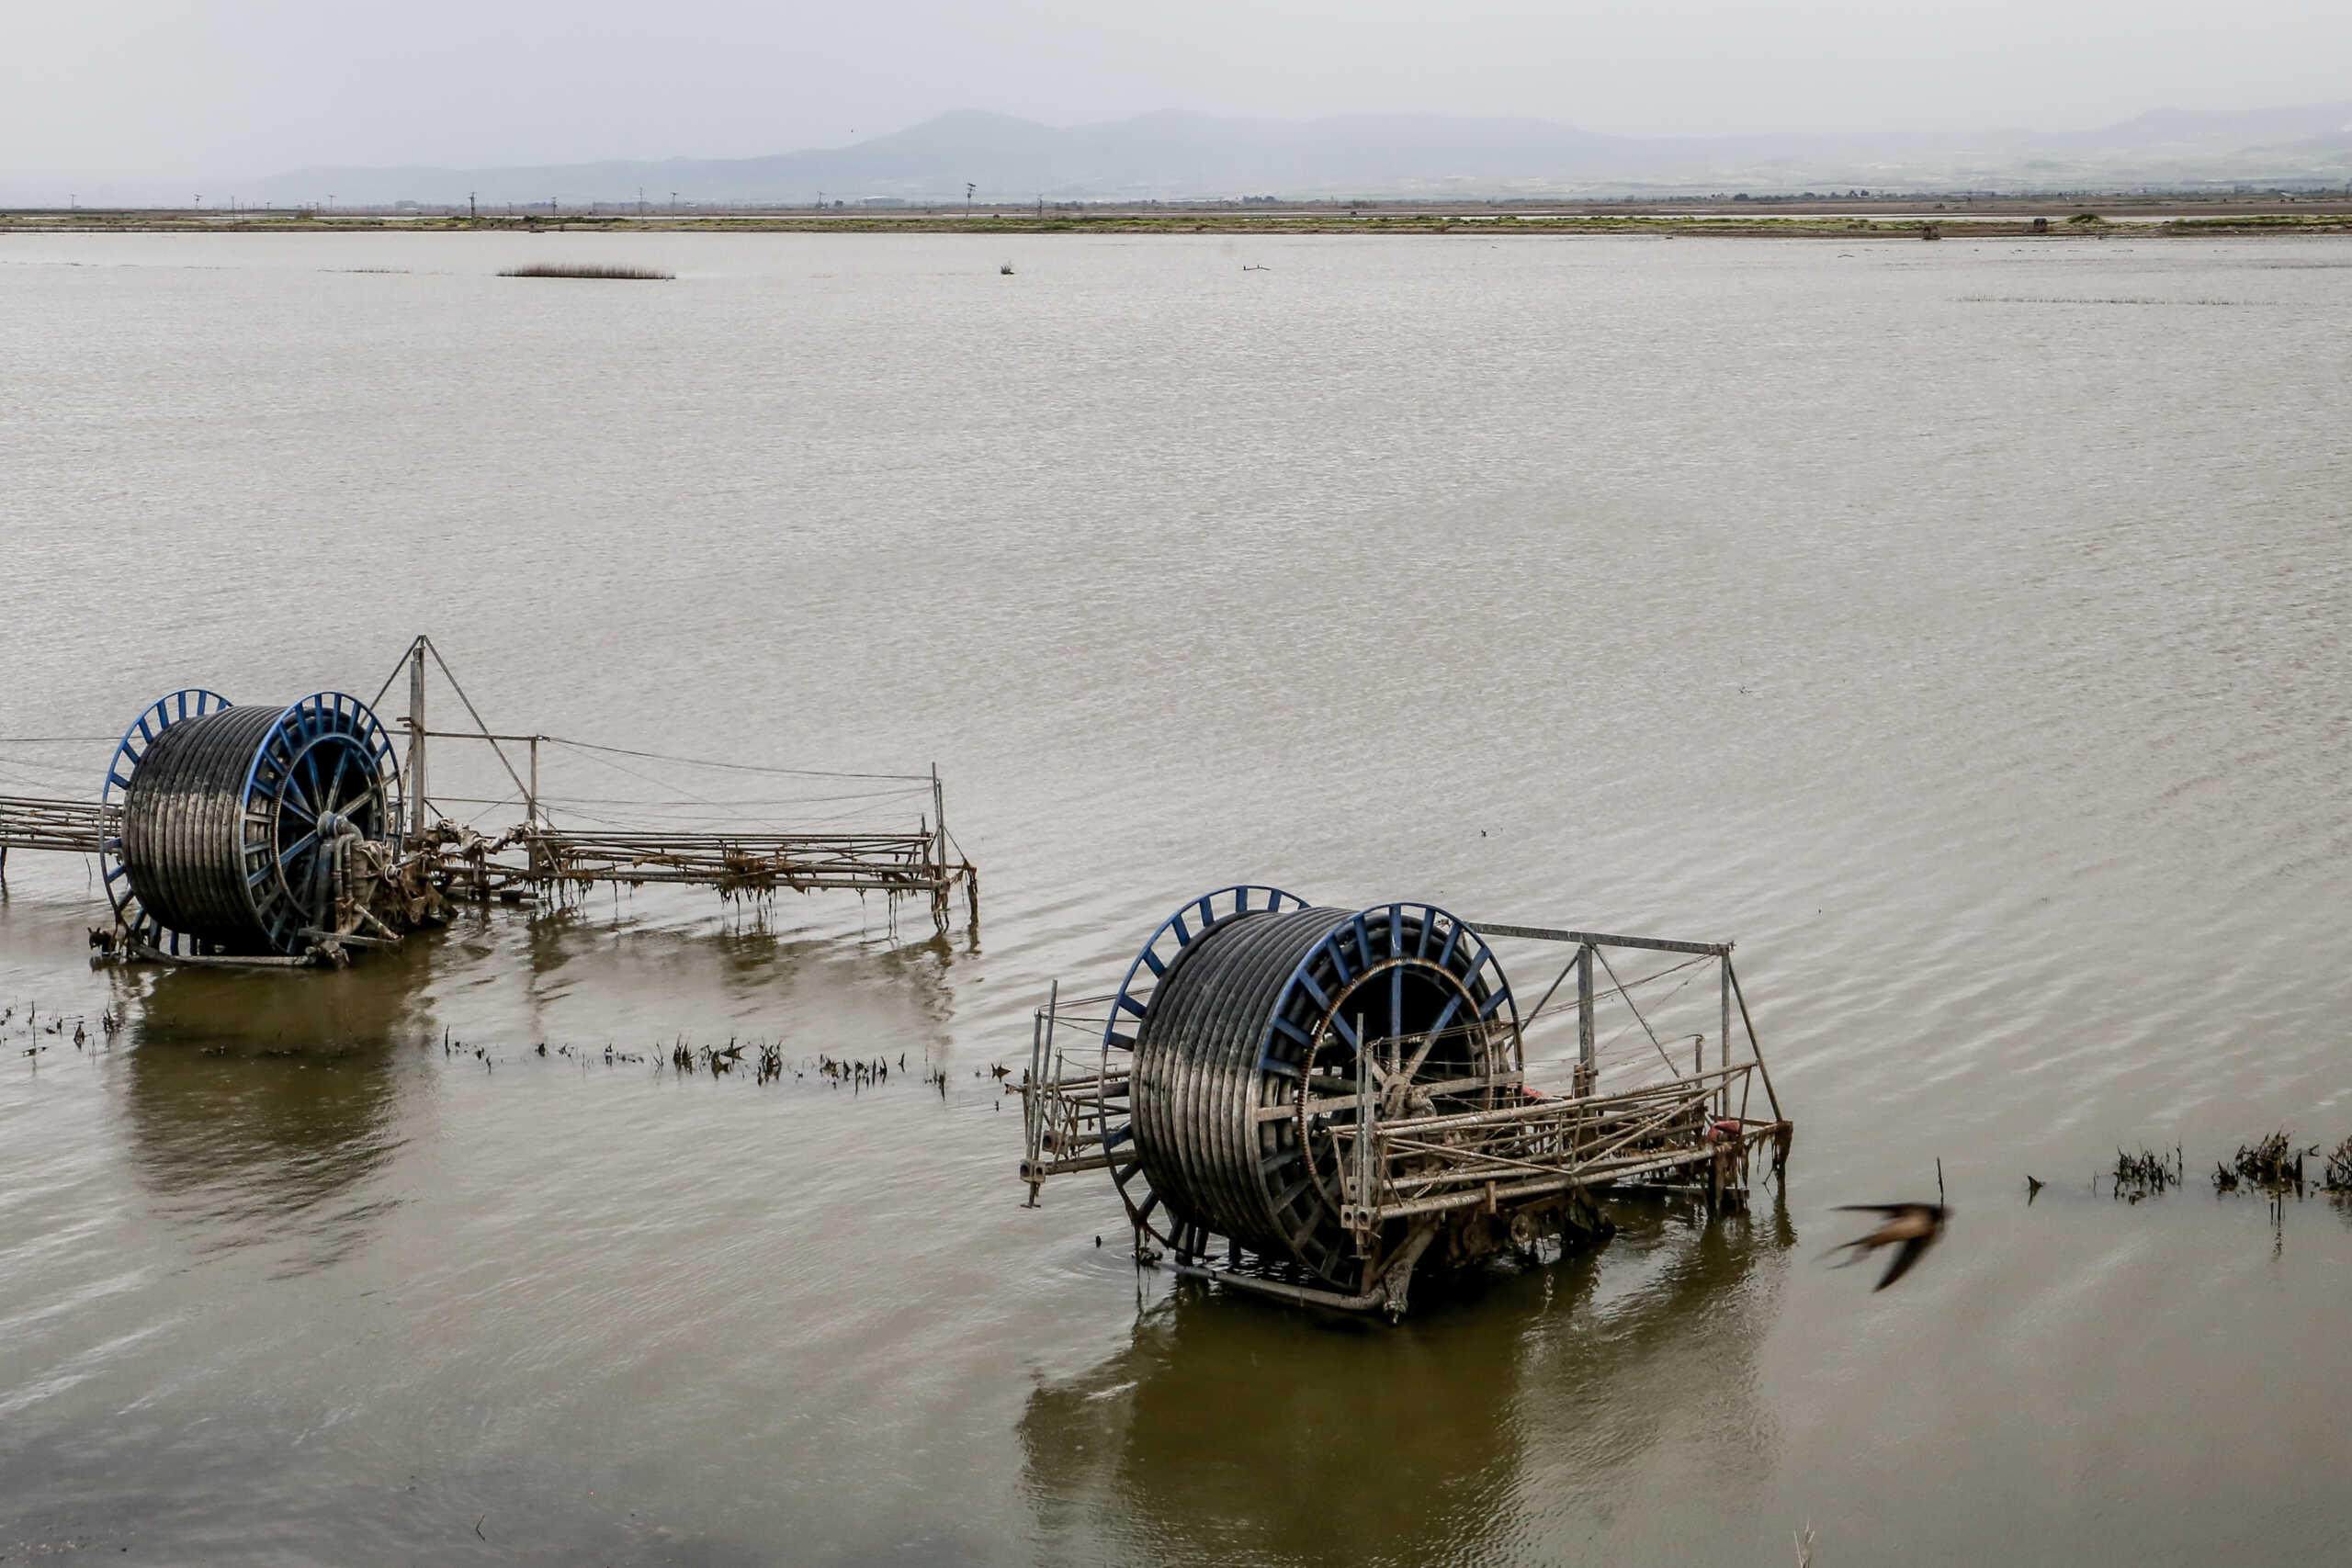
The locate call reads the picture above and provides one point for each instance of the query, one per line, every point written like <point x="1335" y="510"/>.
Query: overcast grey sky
<point x="213" y="88"/>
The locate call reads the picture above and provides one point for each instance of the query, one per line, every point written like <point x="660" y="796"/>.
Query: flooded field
<point x="1961" y="629"/>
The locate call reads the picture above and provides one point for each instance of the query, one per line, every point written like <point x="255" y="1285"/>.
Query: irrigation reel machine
<point x="1310" y="1103"/>
<point x="255" y="834"/>
<point x="294" y="834"/>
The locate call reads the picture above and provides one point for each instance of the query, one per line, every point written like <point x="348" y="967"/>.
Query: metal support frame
<point x="73" y="827"/>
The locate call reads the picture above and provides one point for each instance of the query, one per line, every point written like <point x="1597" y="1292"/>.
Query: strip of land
<point x="1841" y="217"/>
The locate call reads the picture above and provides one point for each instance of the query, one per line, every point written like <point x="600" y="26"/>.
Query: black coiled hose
<point x="1196" y="1079"/>
<point x="183" y="828"/>
<point x="1210" y="1055"/>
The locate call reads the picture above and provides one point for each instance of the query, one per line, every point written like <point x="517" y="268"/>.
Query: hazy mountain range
<point x="1179" y="156"/>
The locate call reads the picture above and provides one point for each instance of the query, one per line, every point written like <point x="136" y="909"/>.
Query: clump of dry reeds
<point x="589" y="269"/>
<point x="2337" y="1175"/>
<point x="2274" y="1163"/>
<point x="2145" y="1174"/>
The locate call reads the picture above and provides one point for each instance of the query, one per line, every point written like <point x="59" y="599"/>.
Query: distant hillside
<point x="1177" y="156"/>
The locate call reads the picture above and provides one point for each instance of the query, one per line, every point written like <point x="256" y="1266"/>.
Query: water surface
<point x="1961" y="629"/>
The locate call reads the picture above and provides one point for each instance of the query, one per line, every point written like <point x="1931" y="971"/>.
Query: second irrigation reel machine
<point x="1312" y="1102"/>
<point x="293" y="834"/>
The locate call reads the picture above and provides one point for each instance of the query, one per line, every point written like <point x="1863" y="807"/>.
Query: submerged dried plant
<point x="2146" y="1174"/>
<point x="2274" y="1163"/>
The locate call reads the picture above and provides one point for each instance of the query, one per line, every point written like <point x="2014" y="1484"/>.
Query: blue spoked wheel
<point x="230" y="818"/>
<point x="1442" y="1027"/>
<point x="325" y="766"/>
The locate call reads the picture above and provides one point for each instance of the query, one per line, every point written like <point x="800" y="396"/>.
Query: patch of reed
<point x="2337" y="1175"/>
<point x="2145" y="1174"/>
<point x="589" y="269"/>
<point x="2275" y="1164"/>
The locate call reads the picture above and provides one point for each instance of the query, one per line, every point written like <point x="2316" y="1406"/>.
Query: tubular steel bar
<point x="1749" y="1025"/>
<point x="1587" y="1059"/>
<point x="1594" y="938"/>
<point x="416" y="736"/>
<point x="803" y="863"/>
<point x="78" y="827"/>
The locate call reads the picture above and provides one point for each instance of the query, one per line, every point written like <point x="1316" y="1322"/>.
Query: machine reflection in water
<point x="258" y="1110"/>
<point x="1224" y="1433"/>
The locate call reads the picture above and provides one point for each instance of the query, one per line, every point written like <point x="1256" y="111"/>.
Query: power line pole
<point x="969" y="189"/>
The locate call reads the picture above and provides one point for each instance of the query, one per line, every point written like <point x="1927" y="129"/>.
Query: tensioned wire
<point x="401" y="663"/>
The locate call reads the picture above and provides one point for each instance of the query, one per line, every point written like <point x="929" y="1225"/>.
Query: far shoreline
<point x="1838" y="218"/>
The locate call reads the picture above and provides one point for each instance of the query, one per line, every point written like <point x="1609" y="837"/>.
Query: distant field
<point x="1817" y="217"/>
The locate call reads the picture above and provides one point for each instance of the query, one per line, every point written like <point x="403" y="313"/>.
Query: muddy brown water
<point x="1961" y="629"/>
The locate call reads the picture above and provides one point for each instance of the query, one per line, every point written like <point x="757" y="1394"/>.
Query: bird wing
<point x="1904" y="1256"/>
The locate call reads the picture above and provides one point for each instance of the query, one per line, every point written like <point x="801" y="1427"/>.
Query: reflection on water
<point x="258" y="1108"/>
<point x="1230" y="1430"/>
<point x="644" y="985"/>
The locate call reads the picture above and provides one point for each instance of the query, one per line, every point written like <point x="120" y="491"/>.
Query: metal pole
<point x="1754" y="1049"/>
<point x="1588" y="1064"/>
<point x="1723" y="1095"/>
<point x="416" y="742"/>
<point x="939" y="821"/>
<point x="1363" y="1121"/>
<point x="939" y="812"/>
<point x="531" y="812"/>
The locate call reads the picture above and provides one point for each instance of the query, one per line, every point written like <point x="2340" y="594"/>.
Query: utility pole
<point x="473" y="212"/>
<point x="969" y="189"/>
